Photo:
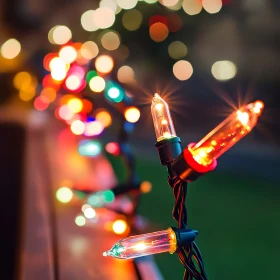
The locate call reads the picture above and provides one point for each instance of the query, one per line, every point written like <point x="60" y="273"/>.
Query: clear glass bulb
<point x="164" y="127"/>
<point x="144" y="244"/>
<point x="227" y="134"/>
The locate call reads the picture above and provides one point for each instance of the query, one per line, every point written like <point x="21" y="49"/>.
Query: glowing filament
<point x="164" y="127"/>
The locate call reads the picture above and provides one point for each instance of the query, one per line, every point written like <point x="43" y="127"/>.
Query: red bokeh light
<point x="158" y="18"/>
<point x="113" y="148"/>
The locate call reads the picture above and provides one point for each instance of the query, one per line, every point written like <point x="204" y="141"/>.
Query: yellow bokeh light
<point x="58" y="63"/>
<point x="120" y="226"/>
<point x="111" y="4"/>
<point x="176" y="7"/>
<point x="87" y="21"/>
<point x="61" y="35"/>
<point x="104" y="64"/>
<point x="103" y="17"/>
<point x="85" y="206"/>
<point x="64" y="195"/>
<point x="224" y="70"/>
<point x="192" y="7"/>
<point x="73" y="82"/>
<point x="97" y="84"/>
<point x="212" y="6"/>
<point x="89" y="50"/>
<point x="127" y="4"/>
<point x="158" y="32"/>
<point x="132" y="20"/>
<point x="26" y="95"/>
<point x="182" y="70"/>
<point x="49" y="93"/>
<point x="77" y="127"/>
<point x="110" y="41"/>
<point x="126" y="74"/>
<point x="177" y="50"/>
<point x="10" y="49"/>
<point x="104" y="118"/>
<point x="168" y="3"/>
<point x="75" y="105"/>
<point x="80" y="220"/>
<point x="89" y="213"/>
<point x="132" y="114"/>
<point x="68" y="54"/>
<point x="22" y="80"/>
<point x="58" y="75"/>
<point x="150" y="1"/>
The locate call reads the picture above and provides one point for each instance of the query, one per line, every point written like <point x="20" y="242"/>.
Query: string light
<point x="227" y="134"/>
<point x="163" y="123"/>
<point x="151" y="243"/>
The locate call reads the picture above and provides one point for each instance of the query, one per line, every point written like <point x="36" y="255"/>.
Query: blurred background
<point x="76" y="83"/>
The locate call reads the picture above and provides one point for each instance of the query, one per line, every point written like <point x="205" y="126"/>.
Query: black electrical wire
<point x="189" y="256"/>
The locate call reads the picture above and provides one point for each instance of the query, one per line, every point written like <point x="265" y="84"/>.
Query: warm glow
<point x="93" y="128"/>
<point x="146" y="186"/>
<point x="119" y="226"/>
<point x="177" y="50"/>
<point x="97" y="84"/>
<point x="103" y="17"/>
<point x="89" y="213"/>
<point x="73" y="82"/>
<point x="132" y="114"/>
<point x="182" y="70"/>
<point x="80" y="220"/>
<point x="68" y="54"/>
<point x="132" y="20"/>
<point x="22" y="80"/>
<point x="104" y="118"/>
<point x="110" y="41"/>
<point x="61" y="35"/>
<point x="224" y="70"/>
<point x="58" y="64"/>
<point x="10" y="49"/>
<point x="243" y="117"/>
<point x="85" y="206"/>
<point x="126" y="74"/>
<point x="58" y="75"/>
<point x="64" y="195"/>
<point x="127" y="4"/>
<point x="140" y="247"/>
<point x="77" y="127"/>
<point x="89" y="50"/>
<point x="48" y="93"/>
<point x="75" y="105"/>
<point x="192" y="7"/>
<point x="87" y="21"/>
<point x="39" y="104"/>
<point x="158" y="32"/>
<point x="104" y="64"/>
<point x="212" y="6"/>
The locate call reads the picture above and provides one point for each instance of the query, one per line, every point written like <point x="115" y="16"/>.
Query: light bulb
<point x="144" y="244"/>
<point x="226" y="134"/>
<point x="164" y="127"/>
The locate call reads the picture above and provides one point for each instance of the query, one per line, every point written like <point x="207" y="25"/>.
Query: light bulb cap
<point x="184" y="236"/>
<point x="187" y="168"/>
<point x="169" y="149"/>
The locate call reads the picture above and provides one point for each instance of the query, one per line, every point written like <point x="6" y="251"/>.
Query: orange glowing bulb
<point x="227" y="134"/>
<point x="120" y="226"/>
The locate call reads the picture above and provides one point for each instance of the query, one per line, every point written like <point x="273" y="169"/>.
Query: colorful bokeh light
<point x="77" y="127"/>
<point x="10" y="49"/>
<point x="104" y="64"/>
<point x="89" y="148"/>
<point x="104" y="117"/>
<point x="64" y="195"/>
<point x="182" y="70"/>
<point x="132" y="114"/>
<point x="120" y="226"/>
<point x="97" y="84"/>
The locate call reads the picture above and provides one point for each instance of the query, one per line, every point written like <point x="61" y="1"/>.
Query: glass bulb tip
<point x="105" y="254"/>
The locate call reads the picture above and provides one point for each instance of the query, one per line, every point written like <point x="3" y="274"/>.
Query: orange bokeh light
<point x="104" y="64"/>
<point x="158" y="32"/>
<point x="120" y="226"/>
